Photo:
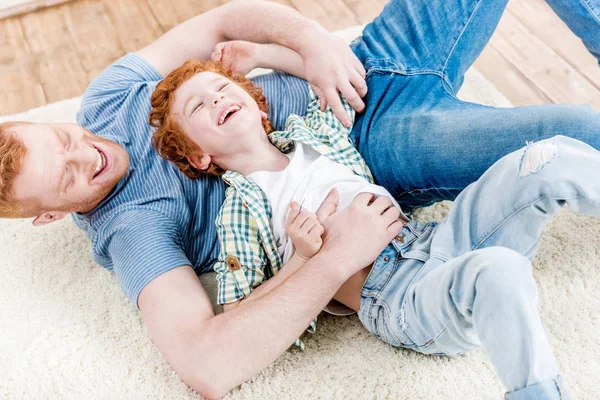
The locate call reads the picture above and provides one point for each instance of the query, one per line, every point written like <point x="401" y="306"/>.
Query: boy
<point x="436" y="289"/>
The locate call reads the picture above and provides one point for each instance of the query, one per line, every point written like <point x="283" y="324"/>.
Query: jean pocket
<point x="377" y="322"/>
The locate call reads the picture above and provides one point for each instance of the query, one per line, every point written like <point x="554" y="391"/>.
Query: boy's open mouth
<point x="227" y="112"/>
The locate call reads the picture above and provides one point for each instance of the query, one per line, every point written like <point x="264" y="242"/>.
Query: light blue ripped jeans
<point x="467" y="282"/>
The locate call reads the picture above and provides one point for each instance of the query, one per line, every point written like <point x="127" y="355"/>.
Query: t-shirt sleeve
<point x="140" y="245"/>
<point x="123" y="81"/>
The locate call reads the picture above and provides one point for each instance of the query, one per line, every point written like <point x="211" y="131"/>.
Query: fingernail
<point x="347" y="123"/>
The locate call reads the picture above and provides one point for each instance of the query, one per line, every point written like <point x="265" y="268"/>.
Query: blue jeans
<point x="467" y="282"/>
<point x="421" y="142"/>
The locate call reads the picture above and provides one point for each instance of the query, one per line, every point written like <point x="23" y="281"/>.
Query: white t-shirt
<point x="308" y="179"/>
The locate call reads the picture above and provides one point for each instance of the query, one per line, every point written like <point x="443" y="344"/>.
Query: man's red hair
<point x="169" y="140"/>
<point x="12" y="154"/>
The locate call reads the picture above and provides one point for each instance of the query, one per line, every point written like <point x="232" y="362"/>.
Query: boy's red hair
<point x="169" y="140"/>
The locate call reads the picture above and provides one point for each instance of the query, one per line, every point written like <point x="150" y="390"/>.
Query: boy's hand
<point x="305" y="230"/>
<point x="239" y="55"/>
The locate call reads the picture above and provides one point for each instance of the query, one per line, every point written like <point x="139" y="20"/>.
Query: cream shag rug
<point x="68" y="332"/>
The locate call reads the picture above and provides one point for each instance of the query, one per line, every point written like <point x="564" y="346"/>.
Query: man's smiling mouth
<point x="227" y="112"/>
<point x="100" y="163"/>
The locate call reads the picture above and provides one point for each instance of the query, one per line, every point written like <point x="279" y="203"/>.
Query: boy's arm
<point x="243" y="56"/>
<point x="329" y="62"/>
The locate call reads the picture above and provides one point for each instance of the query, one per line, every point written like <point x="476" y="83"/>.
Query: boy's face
<point x="217" y="114"/>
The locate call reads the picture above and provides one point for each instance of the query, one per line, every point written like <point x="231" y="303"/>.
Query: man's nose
<point x="83" y="157"/>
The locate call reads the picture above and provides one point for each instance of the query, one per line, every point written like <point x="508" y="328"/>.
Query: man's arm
<point x="294" y="263"/>
<point x="214" y="354"/>
<point x="330" y="65"/>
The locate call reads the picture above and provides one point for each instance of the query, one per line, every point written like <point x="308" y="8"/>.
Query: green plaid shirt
<point x="248" y="254"/>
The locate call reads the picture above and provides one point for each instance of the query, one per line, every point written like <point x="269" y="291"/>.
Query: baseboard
<point x="12" y="8"/>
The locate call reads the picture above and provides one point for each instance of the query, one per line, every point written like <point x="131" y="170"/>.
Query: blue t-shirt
<point x="156" y="219"/>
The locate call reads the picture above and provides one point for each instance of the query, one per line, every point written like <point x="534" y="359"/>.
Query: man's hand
<point x="239" y="55"/>
<point x="359" y="233"/>
<point x="332" y="68"/>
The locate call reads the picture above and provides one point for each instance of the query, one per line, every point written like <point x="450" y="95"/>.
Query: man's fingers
<point x="321" y="96"/>
<point x="363" y="199"/>
<point x="394" y="229"/>
<point x="391" y="214"/>
<point x="335" y="103"/>
<point x="360" y="68"/>
<point x="360" y="85"/>
<point x="352" y="96"/>
<point x="329" y="205"/>
<point x="381" y="204"/>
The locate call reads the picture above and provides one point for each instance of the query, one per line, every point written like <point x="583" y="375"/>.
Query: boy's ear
<point x="263" y="114"/>
<point x="48" y="217"/>
<point x="200" y="161"/>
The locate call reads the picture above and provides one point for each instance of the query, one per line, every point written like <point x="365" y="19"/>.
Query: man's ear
<point x="200" y="161"/>
<point x="263" y="114"/>
<point x="48" y="217"/>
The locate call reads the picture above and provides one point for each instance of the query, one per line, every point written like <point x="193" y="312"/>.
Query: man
<point x="151" y="232"/>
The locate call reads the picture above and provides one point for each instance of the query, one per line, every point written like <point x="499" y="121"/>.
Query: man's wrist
<point x="333" y="265"/>
<point x="309" y="31"/>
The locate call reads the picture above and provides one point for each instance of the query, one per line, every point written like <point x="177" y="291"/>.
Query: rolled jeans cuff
<point x="552" y="389"/>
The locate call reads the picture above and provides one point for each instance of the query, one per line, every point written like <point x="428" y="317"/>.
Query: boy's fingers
<point x="294" y="211"/>
<point x="310" y="223"/>
<point x="302" y="217"/>
<point x="317" y="230"/>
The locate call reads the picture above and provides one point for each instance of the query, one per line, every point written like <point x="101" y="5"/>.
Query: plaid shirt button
<point x="234" y="263"/>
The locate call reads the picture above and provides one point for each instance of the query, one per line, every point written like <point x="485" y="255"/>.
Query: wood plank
<point x="61" y="73"/>
<point x="539" y="63"/>
<point x="332" y="14"/>
<point x="168" y="15"/>
<point x="539" y="18"/>
<point x="12" y="8"/>
<point x="21" y="87"/>
<point x="364" y="11"/>
<point x="92" y="33"/>
<point x="133" y="23"/>
<point x="511" y="82"/>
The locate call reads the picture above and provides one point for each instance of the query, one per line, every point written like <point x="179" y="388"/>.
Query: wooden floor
<point x="52" y="54"/>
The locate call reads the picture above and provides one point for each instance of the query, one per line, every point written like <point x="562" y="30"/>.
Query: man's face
<point x="216" y="114"/>
<point x="66" y="169"/>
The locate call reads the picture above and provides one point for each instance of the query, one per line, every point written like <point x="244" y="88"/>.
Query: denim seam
<point x="427" y="190"/>
<point x="458" y="40"/>
<point x="591" y="10"/>
<point x="487" y="235"/>
<point x="400" y="69"/>
<point x="434" y="338"/>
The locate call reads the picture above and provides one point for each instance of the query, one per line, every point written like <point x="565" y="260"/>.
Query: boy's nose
<point x="217" y="98"/>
